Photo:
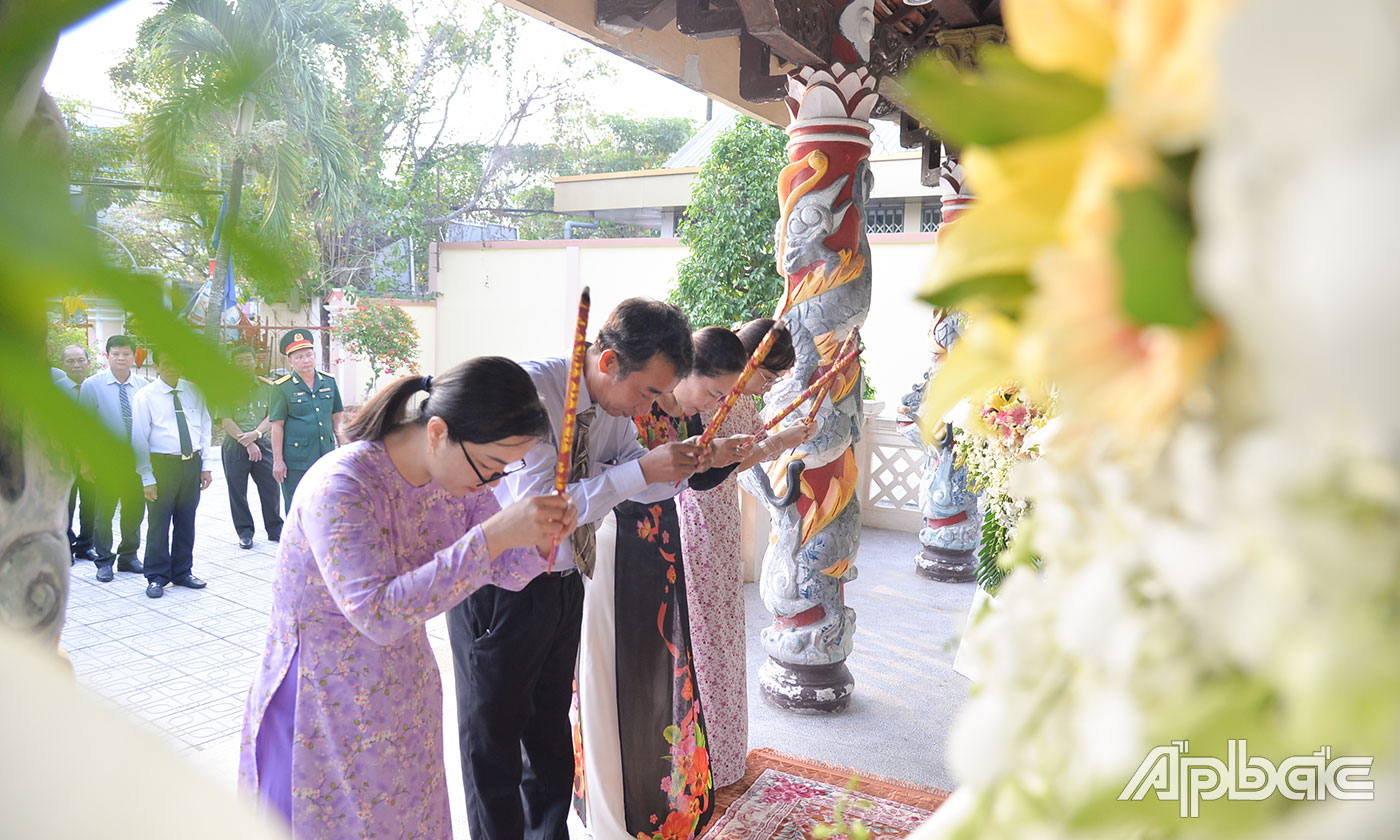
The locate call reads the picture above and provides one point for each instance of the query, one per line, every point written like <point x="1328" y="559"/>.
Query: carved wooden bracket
<point x="755" y="82"/>
<point x="709" y="18"/>
<point x="890" y="52"/>
<point x="912" y="135"/>
<point x="930" y="162"/>
<point x="799" y="31"/>
<point x="960" y="46"/>
<point x="619" y="17"/>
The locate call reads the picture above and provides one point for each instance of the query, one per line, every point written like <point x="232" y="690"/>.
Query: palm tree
<point x="219" y="65"/>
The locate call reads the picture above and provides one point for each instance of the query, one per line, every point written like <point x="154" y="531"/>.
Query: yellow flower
<point x="1111" y="371"/>
<point x="1003" y="398"/>
<point x="982" y="359"/>
<point x="1047" y="209"/>
<point x="1022" y="188"/>
<point x="1071" y="36"/>
<point x="1165" y="78"/>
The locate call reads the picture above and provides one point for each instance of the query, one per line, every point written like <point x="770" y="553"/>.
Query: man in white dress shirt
<point x="172" y="435"/>
<point x="513" y="652"/>
<point x="110" y="395"/>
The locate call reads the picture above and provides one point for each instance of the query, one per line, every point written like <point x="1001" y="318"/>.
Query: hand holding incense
<point x="563" y="466"/>
<point x="822" y="384"/>
<point x="841" y="352"/>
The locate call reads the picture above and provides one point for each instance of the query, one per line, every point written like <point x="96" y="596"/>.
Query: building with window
<point x="531" y="286"/>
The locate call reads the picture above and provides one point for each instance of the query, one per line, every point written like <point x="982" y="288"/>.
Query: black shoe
<point x="245" y="542"/>
<point x="277" y="537"/>
<point x="104" y="572"/>
<point x="188" y="581"/>
<point x="132" y="565"/>
<point x="155" y="589"/>
<point x="89" y="554"/>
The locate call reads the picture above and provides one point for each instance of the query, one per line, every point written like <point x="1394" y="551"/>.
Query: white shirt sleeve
<point x="141" y="436"/>
<point x="206" y="435"/>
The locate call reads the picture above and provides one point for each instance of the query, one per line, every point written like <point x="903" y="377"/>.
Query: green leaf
<point x="672" y="734"/>
<point x="47" y="253"/>
<point x="1002" y="102"/>
<point x="1154" y="253"/>
<point x="989" y="573"/>
<point x="1007" y="292"/>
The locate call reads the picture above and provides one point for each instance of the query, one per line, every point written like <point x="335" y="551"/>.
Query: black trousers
<point x="133" y="507"/>
<point x="237" y="469"/>
<point x="513" y="655"/>
<point x="170" y="531"/>
<point x="82" y="499"/>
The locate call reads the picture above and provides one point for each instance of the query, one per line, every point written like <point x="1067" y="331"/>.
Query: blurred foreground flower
<point x="1219" y="509"/>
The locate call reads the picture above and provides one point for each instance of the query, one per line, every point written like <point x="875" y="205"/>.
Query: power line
<point x="137" y="185"/>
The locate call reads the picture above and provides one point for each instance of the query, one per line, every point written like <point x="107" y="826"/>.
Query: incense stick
<point x="563" y="466"/>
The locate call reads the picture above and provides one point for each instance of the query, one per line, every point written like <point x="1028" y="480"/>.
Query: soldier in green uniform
<point x="305" y="414"/>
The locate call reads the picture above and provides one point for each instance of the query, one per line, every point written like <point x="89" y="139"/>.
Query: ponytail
<point x="386" y="410"/>
<point x="481" y="400"/>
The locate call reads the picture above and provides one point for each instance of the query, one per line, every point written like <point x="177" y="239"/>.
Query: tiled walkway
<point x="183" y="663"/>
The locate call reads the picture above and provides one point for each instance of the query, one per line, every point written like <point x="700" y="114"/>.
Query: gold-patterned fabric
<point x="584" y="539"/>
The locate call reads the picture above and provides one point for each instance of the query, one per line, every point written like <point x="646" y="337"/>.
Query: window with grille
<point x="932" y="217"/>
<point x="884" y="219"/>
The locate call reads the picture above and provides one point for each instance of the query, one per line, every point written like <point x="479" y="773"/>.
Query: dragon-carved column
<point x="952" y="520"/>
<point x="823" y="253"/>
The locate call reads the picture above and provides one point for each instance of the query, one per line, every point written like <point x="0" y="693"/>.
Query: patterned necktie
<point x="186" y="447"/>
<point x="584" y="540"/>
<point x="126" y="407"/>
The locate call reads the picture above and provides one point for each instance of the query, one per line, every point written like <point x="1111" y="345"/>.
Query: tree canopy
<point x="356" y="147"/>
<point x="730" y="273"/>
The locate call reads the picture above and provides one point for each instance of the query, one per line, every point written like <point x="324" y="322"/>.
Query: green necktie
<point x="186" y="447"/>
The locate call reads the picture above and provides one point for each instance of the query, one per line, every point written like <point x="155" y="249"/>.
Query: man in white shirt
<point x="82" y="499"/>
<point x="513" y="652"/>
<point x="110" y="395"/>
<point x="173" y="438"/>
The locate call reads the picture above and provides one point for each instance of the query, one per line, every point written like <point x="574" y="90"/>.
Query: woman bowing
<point x="643" y="766"/>
<point x="343" y="732"/>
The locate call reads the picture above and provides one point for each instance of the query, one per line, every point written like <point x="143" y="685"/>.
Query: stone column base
<point x="947" y="565"/>
<point x="806" y="689"/>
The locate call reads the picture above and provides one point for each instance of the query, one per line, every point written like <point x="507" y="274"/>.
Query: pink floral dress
<point x="714" y="570"/>
<point x="365" y="559"/>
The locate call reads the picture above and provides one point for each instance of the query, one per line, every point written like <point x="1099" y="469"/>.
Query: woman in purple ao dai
<point x="343" y="731"/>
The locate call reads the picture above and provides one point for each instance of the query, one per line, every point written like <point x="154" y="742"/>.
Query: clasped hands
<point x="675" y="462"/>
<point x="535" y="521"/>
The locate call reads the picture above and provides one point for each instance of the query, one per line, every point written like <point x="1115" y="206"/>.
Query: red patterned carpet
<point x="782" y="797"/>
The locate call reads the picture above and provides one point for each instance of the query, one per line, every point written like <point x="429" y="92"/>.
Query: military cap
<point x="295" y="340"/>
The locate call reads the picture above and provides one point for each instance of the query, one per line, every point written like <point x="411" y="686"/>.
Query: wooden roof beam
<point x="958" y="12"/>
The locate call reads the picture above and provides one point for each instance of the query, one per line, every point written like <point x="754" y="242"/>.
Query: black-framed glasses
<point x="493" y="477"/>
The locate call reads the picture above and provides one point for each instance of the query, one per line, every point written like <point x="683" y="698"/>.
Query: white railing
<point x="890" y="470"/>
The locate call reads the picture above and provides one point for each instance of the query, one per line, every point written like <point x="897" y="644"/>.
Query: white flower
<point x="1241" y="580"/>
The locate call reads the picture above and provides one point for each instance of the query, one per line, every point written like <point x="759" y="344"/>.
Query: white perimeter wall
<point x="519" y="299"/>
